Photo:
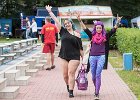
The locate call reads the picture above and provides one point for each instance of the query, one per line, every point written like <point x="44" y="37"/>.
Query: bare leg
<point x="52" y="59"/>
<point x="49" y="59"/>
<point x="72" y="67"/>
<point x="64" y="65"/>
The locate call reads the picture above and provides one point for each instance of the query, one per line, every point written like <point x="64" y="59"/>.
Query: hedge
<point x="128" y="41"/>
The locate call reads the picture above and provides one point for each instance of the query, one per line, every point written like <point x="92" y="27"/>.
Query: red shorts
<point x="49" y="48"/>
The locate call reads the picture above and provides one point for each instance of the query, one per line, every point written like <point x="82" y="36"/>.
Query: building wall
<point x="108" y="22"/>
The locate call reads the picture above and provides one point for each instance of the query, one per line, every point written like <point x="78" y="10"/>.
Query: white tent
<point x="135" y="22"/>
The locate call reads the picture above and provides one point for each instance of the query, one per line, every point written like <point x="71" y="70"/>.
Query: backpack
<point x="81" y="80"/>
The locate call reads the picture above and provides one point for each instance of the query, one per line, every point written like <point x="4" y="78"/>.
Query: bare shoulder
<point x="77" y="33"/>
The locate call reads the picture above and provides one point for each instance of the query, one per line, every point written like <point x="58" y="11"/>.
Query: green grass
<point x="132" y="78"/>
<point x="115" y="58"/>
<point x="4" y="40"/>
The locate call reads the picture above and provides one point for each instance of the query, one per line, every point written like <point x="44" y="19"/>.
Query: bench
<point x="1" y="60"/>
<point x="19" y="52"/>
<point x="29" y="48"/>
<point x="9" y="55"/>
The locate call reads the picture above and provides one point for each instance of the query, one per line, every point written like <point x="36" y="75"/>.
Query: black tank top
<point x="70" y="46"/>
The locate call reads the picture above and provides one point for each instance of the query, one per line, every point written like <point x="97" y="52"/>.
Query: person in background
<point x="56" y="39"/>
<point x="27" y="27"/>
<point x="99" y="50"/>
<point x="7" y="31"/>
<point x="34" y="28"/>
<point x="49" y="32"/>
<point x="70" y="51"/>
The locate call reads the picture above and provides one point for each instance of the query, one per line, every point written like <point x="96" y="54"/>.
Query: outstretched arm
<point x="118" y="21"/>
<point x="48" y="8"/>
<point x="113" y="31"/>
<point x="86" y="30"/>
<point x="80" y="21"/>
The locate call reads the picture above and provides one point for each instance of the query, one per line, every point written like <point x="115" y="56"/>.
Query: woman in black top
<point x="70" y="51"/>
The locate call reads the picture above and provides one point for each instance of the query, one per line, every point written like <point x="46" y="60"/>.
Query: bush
<point x="112" y="41"/>
<point x="128" y="41"/>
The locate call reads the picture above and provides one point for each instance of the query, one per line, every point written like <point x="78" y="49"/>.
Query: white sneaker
<point x="96" y="97"/>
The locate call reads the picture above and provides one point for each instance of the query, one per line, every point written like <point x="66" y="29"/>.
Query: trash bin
<point x="18" y="33"/>
<point x="127" y="61"/>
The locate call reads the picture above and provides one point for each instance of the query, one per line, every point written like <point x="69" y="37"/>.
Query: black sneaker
<point x="96" y="97"/>
<point x="71" y="95"/>
<point x="53" y="66"/>
<point x="48" y="68"/>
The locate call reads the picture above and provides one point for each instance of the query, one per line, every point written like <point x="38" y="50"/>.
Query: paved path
<point x="49" y="85"/>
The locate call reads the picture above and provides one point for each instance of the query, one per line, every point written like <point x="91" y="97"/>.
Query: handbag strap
<point x="82" y="67"/>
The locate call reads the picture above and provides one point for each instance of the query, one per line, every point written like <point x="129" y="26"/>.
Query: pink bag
<point x="81" y="80"/>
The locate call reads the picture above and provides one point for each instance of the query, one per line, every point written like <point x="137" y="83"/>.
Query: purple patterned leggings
<point x="96" y="65"/>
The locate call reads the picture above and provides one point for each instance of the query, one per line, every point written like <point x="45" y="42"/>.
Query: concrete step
<point x="37" y="58"/>
<point x="39" y="66"/>
<point x="45" y="58"/>
<point x="22" y="67"/>
<point x="31" y="63"/>
<point x="12" y="74"/>
<point x="31" y="72"/>
<point x="43" y="62"/>
<point x="22" y="80"/>
<point x="9" y="92"/>
<point x="43" y="55"/>
<point x="2" y="83"/>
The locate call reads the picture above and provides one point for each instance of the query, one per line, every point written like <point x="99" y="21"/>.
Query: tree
<point x="126" y="8"/>
<point x="100" y="2"/>
<point x="9" y="8"/>
<point x="82" y="2"/>
<point x="12" y="8"/>
<point x="56" y="3"/>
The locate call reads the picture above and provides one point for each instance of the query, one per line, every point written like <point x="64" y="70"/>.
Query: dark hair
<point x="70" y="20"/>
<point x="27" y="17"/>
<point x="33" y="19"/>
<point x="48" y="19"/>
